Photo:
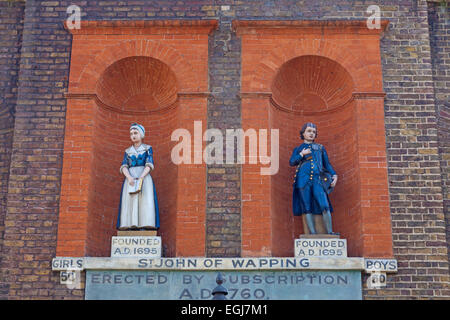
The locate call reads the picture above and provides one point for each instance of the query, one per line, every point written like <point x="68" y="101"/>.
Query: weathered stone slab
<point x="320" y="247"/>
<point x="132" y="246"/>
<point x="202" y="263"/>
<point x="243" y="285"/>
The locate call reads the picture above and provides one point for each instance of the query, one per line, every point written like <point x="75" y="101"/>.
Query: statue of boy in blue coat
<point x="314" y="179"/>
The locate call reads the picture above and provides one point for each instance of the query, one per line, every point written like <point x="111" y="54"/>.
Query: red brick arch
<point x="141" y="48"/>
<point x="351" y="126"/>
<point x="138" y="85"/>
<point x="98" y="117"/>
<point x="363" y="73"/>
<point x="312" y="88"/>
<point x="309" y="84"/>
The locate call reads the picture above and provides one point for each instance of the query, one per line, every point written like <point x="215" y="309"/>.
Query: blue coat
<point x="142" y="159"/>
<point x="320" y="164"/>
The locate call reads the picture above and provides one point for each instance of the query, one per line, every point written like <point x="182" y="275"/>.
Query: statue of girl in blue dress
<point x="138" y="210"/>
<point x="314" y="179"/>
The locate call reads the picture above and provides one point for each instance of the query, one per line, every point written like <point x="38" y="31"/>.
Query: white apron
<point x="138" y="210"/>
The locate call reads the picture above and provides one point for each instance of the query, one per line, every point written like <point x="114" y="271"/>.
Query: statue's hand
<point x="333" y="183"/>
<point x="131" y="181"/>
<point x="305" y="151"/>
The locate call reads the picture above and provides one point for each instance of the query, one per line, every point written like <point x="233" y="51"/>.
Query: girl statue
<point x="138" y="208"/>
<point x="314" y="179"/>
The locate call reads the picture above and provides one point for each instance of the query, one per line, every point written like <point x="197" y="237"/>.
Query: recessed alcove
<point x="328" y="73"/>
<point x="150" y="72"/>
<point x="311" y="84"/>
<point x="137" y="84"/>
<point x="134" y="89"/>
<point x="318" y="90"/>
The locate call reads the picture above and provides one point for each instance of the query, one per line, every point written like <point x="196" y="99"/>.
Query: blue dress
<point x="138" y="210"/>
<point x="309" y="194"/>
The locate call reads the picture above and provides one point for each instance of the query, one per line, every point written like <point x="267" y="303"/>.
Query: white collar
<point x="140" y="149"/>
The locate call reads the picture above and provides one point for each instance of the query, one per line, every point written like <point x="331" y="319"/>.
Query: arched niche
<point x="319" y="90"/>
<point x="327" y="72"/>
<point x="123" y="72"/>
<point x="133" y="89"/>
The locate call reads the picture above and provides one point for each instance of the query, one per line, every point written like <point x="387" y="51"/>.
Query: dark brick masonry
<point x="11" y="27"/>
<point x="438" y="17"/>
<point x="223" y="208"/>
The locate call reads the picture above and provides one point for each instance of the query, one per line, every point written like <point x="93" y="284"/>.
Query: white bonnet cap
<point x="139" y="128"/>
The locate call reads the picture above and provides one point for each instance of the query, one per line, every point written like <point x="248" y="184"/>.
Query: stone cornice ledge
<point x="202" y="263"/>
<point x="368" y="265"/>
<point x="142" y="27"/>
<point x="311" y="26"/>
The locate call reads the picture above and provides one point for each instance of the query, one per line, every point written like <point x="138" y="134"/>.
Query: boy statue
<point x="314" y="179"/>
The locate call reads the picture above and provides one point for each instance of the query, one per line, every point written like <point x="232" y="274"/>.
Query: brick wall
<point x="223" y="213"/>
<point x="35" y="171"/>
<point x="276" y="58"/>
<point x="418" y="224"/>
<point x="438" y="17"/>
<point x="414" y="164"/>
<point x="99" y="112"/>
<point x="11" y="16"/>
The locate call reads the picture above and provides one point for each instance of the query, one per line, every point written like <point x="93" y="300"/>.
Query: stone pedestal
<point x="320" y="245"/>
<point x="128" y="244"/>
